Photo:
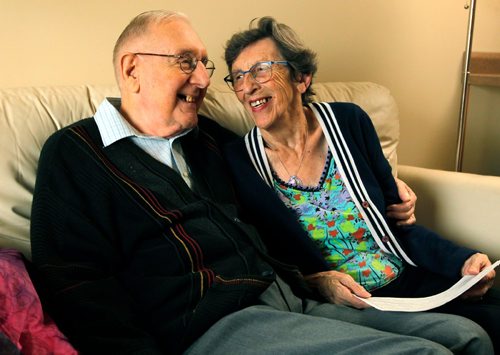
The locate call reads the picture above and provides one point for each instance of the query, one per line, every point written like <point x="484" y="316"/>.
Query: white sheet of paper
<point x="425" y="303"/>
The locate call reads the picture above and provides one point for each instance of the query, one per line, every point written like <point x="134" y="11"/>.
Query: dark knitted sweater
<point x="128" y="258"/>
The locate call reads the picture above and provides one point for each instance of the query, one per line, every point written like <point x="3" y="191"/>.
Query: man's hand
<point x="473" y="266"/>
<point x="404" y="212"/>
<point x="338" y="288"/>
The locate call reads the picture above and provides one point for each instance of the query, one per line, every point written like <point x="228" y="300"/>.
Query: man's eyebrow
<point x="191" y="52"/>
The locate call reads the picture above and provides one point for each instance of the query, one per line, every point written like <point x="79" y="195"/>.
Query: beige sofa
<point x="462" y="207"/>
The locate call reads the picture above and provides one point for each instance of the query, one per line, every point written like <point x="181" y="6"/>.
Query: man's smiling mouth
<point x="187" y="98"/>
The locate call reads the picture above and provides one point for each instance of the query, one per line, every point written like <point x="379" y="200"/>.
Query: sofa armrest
<point x="462" y="207"/>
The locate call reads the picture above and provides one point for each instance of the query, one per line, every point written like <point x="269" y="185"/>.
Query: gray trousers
<point x="286" y="324"/>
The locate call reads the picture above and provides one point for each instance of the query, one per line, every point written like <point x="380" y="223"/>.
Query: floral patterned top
<point x="335" y="224"/>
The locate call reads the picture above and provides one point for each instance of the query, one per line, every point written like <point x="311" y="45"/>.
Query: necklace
<point x="294" y="180"/>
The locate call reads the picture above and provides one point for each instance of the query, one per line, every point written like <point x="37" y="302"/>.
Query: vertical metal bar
<point x="465" y="89"/>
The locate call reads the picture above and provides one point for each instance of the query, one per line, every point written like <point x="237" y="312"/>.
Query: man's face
<point x="169" y="98"/>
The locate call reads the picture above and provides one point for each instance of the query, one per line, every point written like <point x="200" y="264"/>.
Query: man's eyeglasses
<point x="261" y="72"/>
<point x="187" y="62"/>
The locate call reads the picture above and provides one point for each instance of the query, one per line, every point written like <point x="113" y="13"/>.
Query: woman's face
<point x="273" y="103"/>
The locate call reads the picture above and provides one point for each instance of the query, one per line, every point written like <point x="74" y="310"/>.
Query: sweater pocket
<point x="224" y="297"/>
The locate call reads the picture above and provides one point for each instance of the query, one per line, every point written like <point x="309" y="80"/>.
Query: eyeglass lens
<point x="261" y="72"/>
<point x="188" y="64"/>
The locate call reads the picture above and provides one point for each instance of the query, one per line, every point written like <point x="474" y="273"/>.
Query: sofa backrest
<point x="222" y="105"/>
<point x="29" y="115"/>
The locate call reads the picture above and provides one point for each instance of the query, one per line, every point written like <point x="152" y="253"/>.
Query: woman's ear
<point x="129" y="72"/>
<point x="303" y="82"/>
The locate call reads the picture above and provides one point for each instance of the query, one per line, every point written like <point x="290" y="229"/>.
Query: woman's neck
<point x="296" y="149"/>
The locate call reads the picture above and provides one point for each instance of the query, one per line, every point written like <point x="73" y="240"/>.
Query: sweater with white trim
<point x="367" y="174"/>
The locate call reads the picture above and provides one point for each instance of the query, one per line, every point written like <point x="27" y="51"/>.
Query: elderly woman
<point x="331" y="187"/>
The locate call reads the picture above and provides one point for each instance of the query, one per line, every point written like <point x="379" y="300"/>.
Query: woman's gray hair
<point x="302" y="60"/>
<point x="139" y="26"/>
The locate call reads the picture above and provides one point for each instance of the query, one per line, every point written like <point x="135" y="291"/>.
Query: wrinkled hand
<point x="473" y="266"/>
<point x="404" y="212"/>
<point x="338" y="288"/>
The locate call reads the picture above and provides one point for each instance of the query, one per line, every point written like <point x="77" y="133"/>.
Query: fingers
<point x="413" y="195"/>
<point x="403" y="212"/>
<point x="405" y="192"/>
<point x="339" y="294"/>
<point x="407" y="222"/>
<point x="478" y="290"/>
<point x="356" y="303"/>
<point x="475" y="263"/>
<point x="354" y="287"/>
<point x="472" y="266"/>
<point x="405" y="208"/>
<point x="339" y="288"/>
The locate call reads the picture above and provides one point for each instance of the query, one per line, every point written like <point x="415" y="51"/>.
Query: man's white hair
<point x="138" y="27"/>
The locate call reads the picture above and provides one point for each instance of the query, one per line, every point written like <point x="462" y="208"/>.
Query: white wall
<point x="413" y="47"/>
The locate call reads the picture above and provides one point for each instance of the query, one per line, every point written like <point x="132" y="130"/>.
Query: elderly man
<point x="137" y="241"/>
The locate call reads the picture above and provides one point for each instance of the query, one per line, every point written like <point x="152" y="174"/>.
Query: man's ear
<point x="303" y="82"/>
<point x="129" y="72"/>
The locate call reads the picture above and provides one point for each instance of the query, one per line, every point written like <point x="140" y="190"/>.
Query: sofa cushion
<point x="29" y="115"/>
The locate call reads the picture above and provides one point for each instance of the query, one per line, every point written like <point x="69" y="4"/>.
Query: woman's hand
<point x="404" y="212"/>
<point x="473" y="266"/>
<point x="338" y="288"/>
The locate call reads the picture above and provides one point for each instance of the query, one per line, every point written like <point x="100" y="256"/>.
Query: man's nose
<point x="200" y="76"/>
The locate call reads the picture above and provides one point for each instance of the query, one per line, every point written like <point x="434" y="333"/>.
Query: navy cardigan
<point x="350" y="132"/>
